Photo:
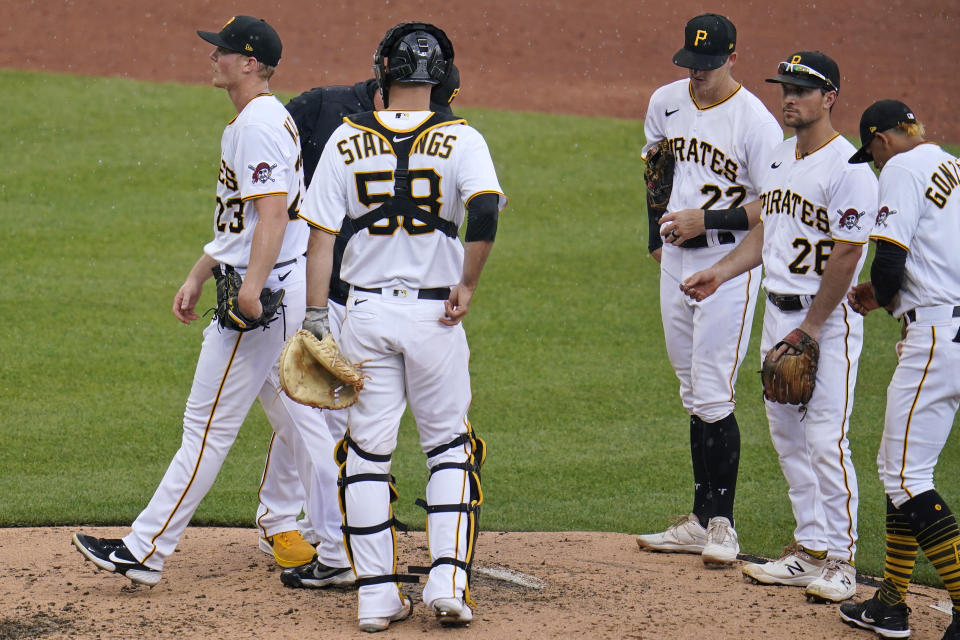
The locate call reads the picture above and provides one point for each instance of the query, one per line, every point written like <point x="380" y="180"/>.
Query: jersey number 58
<point x="429" y="201"/>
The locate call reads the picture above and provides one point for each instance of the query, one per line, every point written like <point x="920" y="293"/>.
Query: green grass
<point x="106" y="203"/>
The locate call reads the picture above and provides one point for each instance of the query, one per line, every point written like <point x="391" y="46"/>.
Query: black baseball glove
<point x="658" y="177"/>
<point x="228" y="313"/>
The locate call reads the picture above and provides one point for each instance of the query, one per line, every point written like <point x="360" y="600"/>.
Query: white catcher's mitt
<point x="315" y="373"/>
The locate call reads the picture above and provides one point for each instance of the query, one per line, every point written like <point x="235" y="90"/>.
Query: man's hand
<point x="861" y="298"/>
<point x="249" y="301"/>
<point x="186" y="299"/>
<point x="702" y="284"/>
<point x="457" y="305"/>
<point x="317" y="321"/>
<point x="679" y="226"/>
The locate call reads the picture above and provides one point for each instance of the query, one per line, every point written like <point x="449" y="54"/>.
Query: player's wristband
<point x="735" y="219"/>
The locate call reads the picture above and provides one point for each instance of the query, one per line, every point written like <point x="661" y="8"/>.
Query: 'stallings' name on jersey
<point x="945" y="180"/>
<point x="793" y="204"/>
<point x="365" y="144"/>
<point x="706" y="155"/>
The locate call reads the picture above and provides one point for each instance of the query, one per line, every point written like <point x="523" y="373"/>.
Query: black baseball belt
<point x="439" y="293"/>
<point x="789" y="303"/>
<point x="701" y="242"/>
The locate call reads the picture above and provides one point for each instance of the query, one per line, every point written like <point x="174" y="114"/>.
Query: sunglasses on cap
<point x="795" y="68"/>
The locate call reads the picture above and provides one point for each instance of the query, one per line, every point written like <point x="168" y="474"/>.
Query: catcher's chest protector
<point x="401" y="203"/>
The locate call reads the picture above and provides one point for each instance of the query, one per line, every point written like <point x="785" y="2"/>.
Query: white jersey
<point x="259" y="156"/>
<point x="919" y="208"/>
<point x="808" y="204"/>
<point x="719" y="148"/>
<point x="448" y="165"/>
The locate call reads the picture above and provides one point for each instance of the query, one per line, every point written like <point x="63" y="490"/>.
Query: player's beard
<point x="795" y="120"/>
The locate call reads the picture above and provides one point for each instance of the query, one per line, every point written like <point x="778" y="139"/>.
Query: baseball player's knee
<point x="900" y="490"/>
<point x="454" y="496"/>
<point x="713" y="410"/>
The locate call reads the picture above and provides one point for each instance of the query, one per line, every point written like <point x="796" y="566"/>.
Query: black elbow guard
<point x="886" y="272"/>
<point x="482" y="215"/>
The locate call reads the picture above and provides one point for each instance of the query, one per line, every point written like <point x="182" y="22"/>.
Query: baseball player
<point x="914" y="276"/>
<point x="816" y="214"/>
<point x="719" y="133"/>
<point x="401" y="181"/>
<point x="317" y="113"/>
<point x="256" y="233"/>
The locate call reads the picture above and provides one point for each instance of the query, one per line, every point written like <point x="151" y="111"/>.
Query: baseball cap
<point x="250" y="36"/>
<point x="449" y="87"/>
<point x="708" y="41"/>
<point x="878" y="117"/>
<point x="809" y="69"/>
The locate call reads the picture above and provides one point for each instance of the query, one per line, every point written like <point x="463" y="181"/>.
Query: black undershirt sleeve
<point x="482" y="216"/>
<point x="886" y="272"/>
<point x="654" y="242"/>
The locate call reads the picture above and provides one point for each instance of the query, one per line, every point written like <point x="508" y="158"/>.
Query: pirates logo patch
<point x="262" y="172"/>
<point x="883" y="214"/>
<point x="850" y="219"/>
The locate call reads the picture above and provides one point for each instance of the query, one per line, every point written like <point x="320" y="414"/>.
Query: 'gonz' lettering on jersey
<point x="945" y="180"/>
<point x="793" y="204"/>
<point x="705" y="154"/>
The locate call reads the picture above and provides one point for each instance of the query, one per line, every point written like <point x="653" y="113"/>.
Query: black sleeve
<point x="482" y="216"/>
<point x="886" y="272"/>
<point x="305" y="110"/>
<point x="655" y="241"/>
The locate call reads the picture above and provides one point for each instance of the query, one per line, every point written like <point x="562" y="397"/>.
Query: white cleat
<point x="686" y="535"/>
<point x="722" y="544"/>
<point x="372" y="625"/>
<point x="795" y="568"/>
<point x="837" y="583"/>
<point x="452" y="612"/>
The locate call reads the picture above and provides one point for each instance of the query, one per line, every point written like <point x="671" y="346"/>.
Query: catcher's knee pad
<point x="363" y="503"/>
<point x="454" y="496"/>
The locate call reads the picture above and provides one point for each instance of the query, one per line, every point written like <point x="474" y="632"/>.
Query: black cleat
<point x="110" y="554"/>
<point x="885" y="620"/>
<point x="953" y="631"/>
<point x="316" y="575"/>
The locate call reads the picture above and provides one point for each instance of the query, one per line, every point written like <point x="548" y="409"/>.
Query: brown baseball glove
<point x="314" y="372"/>
<point x="790" y="379"/>
<point x="658" y="176"/>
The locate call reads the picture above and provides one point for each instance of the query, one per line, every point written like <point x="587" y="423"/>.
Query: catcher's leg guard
<point x="369" y="528"/>
<point x="453" y="504"/>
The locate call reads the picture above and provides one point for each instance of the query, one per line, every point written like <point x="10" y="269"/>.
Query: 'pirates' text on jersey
<point x="808" y="204"/>
<point x="719" y="148"/>
<point x="449" y="164"/>
<point x="257" y="149"/>
<point x="920" y="208"/>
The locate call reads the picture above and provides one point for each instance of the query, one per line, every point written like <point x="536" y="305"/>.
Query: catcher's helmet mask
<point x="412" y="52"/>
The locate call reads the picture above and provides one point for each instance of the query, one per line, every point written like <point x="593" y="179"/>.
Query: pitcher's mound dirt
<point x="560" y="585"/>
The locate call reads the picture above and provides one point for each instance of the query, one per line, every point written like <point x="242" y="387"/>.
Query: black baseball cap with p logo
<point x="708" y="41"/>
<point x="811" y="69"/>
<point x="881" y="116"/>
<point x="248" y="36"/>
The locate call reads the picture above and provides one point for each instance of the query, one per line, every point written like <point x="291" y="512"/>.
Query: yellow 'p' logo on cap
<point x="794" y="59"/>
<point x="701" y="35"/>
<point x="228" y="23"/>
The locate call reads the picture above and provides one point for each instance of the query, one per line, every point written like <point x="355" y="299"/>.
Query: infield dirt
<point x="601" y="58"/>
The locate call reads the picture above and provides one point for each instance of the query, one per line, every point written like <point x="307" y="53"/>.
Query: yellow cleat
<point x="289" y="548"/>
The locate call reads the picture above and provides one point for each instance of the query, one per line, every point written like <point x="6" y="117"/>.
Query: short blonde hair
<point x="265" y="71"/>
<point x="911" y="128"/>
